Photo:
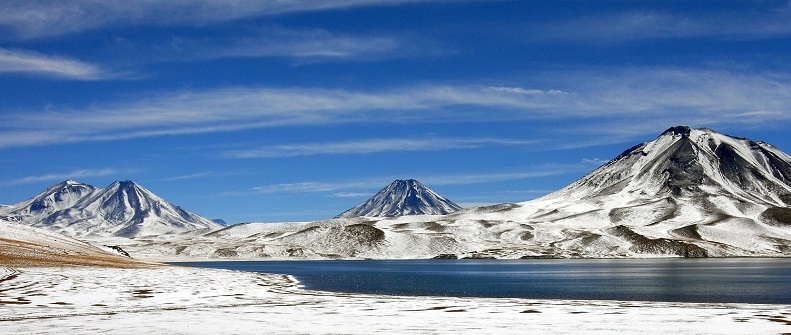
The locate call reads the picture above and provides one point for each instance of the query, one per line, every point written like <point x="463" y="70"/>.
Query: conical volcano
<point x="686" y="163"/>
<point x="403" y="197"/>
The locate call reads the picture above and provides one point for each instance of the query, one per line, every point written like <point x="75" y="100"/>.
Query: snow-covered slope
<point x="403" y="197"/>
<point x="122" y="209"/>
<point x="689" y="193"/>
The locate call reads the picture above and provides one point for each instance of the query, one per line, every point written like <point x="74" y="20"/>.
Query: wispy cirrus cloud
<point x="29" y="62"/>
<point x="376" y="145"/>
<point x="197" y="175"/>
<point x="620" y="102"/>
<point x="76" y="174"/>
<point x="303" y="45"/>
<point x="469" y="179"/>
<point x="351" y="195"/>
<point x="313" y="187"/>
<point x="231" y="109"/>
<point x="38" y="18"/>
<point x="520" y="90"/>
<point x="631" y="25"/>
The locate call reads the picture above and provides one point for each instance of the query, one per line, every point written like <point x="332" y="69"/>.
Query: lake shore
<point x="181" y="300"/>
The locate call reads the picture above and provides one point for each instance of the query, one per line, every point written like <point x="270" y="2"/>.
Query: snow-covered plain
<point x="64" y="292"/>
<point x="177" y="300"/>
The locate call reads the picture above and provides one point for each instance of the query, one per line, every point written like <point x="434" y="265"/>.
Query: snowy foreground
<point x="177" y="300"/>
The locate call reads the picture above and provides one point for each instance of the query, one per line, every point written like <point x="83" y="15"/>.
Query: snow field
<point x="177" y="300"/>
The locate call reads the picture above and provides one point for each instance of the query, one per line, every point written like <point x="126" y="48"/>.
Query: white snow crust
<point x="177" y="300"/>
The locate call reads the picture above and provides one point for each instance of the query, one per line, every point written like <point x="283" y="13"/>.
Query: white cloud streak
<point x="190" y="176"/>
<point x="520" y="90"/>
<point x="352" y="195"/>
<point x="367" y="146"/>
<point x="28" y="62"/>
<point x="645" y="25"/>
<point x="314" y="187"/>
<point x="38" y="18"/>
<point x="85" y="173"/>
<point x="498" y="177"/>
<point x="304" y="45"/>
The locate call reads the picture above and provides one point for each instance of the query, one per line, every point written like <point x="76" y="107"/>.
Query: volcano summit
<point x="403" y="197"/>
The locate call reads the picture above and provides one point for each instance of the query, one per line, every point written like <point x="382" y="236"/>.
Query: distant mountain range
<point x="403" y="197"/>
<point x="688" y="193"/>
<point x="122" y="209"/>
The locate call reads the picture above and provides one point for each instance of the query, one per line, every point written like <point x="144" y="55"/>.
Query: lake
<point x="745" y="280"/>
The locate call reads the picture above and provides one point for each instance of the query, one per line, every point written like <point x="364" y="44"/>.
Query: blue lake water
<point x="744" y="280"/>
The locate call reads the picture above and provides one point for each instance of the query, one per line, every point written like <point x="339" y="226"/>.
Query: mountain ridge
<point x="687" y="193"/>
<point x="690" y="192"/>
<point x="122" y="209"/>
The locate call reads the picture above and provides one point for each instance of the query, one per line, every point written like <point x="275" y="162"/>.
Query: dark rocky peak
<point x="406" y="185"/>
<point x="124" y="185"/>
<point x="126" y="189"/>
<point x="683" y="131"/>
<point x="683" y="166"/>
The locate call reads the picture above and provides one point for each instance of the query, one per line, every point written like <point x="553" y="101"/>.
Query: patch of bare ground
<point x="779" y="319"/>
<point x="15" y="253"/>
<point x="643" y="244"/>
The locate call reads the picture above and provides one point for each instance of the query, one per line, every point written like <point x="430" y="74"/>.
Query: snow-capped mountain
<point x="685" y="163"/>
<point x="123" y="209"/>
<point x="688" y="193"/>
<point x="403" y="197"/>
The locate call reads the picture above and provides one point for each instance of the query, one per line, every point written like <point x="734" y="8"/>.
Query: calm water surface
<point x="686" y="280"/>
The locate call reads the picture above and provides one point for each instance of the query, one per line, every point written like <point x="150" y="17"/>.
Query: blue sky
<point x="298" y="110"/>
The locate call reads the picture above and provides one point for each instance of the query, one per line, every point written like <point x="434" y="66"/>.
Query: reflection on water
<point x="688" y="280"/>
